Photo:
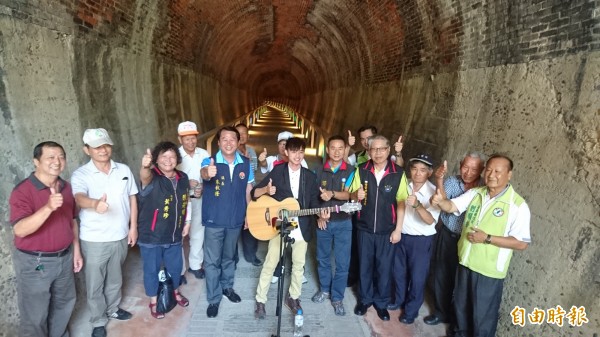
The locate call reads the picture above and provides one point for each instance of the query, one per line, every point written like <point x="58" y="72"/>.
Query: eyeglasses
<point x="379" y="149"/>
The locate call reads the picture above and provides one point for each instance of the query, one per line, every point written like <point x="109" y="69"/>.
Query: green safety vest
<point x="362" y="157"/>
<point x="484" y="258"/>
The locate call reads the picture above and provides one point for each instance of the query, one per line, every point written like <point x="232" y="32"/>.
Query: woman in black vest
<point x="163" y="218"/>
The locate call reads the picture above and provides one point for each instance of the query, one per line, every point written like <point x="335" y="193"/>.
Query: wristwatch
<point x="332" y="194"/>
<point x="488" y="240"/>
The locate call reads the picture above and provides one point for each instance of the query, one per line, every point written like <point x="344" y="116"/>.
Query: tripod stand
<point x="284" y="243"/>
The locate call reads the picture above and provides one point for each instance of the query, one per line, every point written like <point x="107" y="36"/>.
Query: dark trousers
<point x="249" y="246"/>
<point x="411" y="266"/>
<point x="445" y="263"/>
<point x="219" y="265"/>
<point x="153" y="257"/>
<point x="476" y="302"/>
<point x="375" y="255"/>
<point x="45" y="292"/>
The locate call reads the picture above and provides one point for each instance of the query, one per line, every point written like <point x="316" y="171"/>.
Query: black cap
<point x="424" y="158"/>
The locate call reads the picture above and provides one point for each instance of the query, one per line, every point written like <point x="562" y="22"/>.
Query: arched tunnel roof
<point x="276" y="49"/>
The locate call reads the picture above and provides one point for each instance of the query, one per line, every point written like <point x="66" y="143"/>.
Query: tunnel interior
<point x="518" y="77"/>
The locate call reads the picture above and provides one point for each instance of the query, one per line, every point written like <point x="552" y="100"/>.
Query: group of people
<point x="386" y="247"/>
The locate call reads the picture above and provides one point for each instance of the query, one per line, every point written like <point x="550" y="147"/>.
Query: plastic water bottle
<point x="298" y="323"/>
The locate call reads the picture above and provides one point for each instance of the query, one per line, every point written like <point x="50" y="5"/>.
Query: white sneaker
<point x="274" y="279"/>
<point x="304" y="280"/>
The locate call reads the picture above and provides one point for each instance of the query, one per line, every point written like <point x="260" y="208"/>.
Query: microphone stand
<point x="284" y="242"/>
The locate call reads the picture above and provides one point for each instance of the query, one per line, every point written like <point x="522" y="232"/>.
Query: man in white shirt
<point x="412" y="256"/>
<point x="266" y="165"/>
<point x="191" y="160"/>
<point x="105" y="191"/>
<point x="285" y="181"/>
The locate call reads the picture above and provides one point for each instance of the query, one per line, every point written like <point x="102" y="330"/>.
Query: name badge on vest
<point x="498" y="212"/>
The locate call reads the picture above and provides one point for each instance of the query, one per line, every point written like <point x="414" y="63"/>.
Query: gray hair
<point x="378" y="137"/>
<point x="476" y="155"/>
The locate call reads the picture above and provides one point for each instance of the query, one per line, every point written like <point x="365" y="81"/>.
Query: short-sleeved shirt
<point x="56" y="233"/>
<point x="453" y="186"/>
<point x="413" y="224"/>
<point x="518" y="222"/>
<point x="118" y="185"/>
<point x="251" y="154"/>
<point x="191" y="165"/>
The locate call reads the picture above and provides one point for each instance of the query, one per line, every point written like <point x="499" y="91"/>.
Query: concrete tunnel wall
<point x="450" y="76"/>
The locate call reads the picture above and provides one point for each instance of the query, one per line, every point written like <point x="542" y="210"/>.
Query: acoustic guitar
<point x="266" y="214"/>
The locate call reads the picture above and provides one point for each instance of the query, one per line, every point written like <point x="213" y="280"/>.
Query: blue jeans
<point x="155" y="255"/>
<point x="338" y="233"/>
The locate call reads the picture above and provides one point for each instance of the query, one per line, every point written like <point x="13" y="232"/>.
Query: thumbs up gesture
<point x="101" y="205"/>
<point x="211" y="169"/>
<point x="437" y="197"/>
<point x="55" y="200"/>
<point x="412" y="200"/>
<point x="440" y="172"/>
<point x="325" y="195"/>
<point x="147" y="159"/>
<point x="398" y="145"/>
<point x="271" y="190"/>
<point x="263" y="155"/>
<point x="351" y="139"/>
<point x="361" y="193"/>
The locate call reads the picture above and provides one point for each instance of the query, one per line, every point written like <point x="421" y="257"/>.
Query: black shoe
<point x="231" y="295"/>
<point x="451" y="330"/>
<point x="256" y="262"/>
<point x="432" y="320"/>
<point x="198" y="273"/>
<point x="393" y="306"/>
<point x="361" y="309"/>
<point x="213" y="310"/>
<point x="120" y="314"/>
<point x="99" y="331"/>
<point x="182" y="280"/>
<point x="406" y="320"/>
<point x="383" y="314"/>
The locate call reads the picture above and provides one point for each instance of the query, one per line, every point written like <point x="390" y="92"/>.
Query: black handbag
<point x="166" y="293"/>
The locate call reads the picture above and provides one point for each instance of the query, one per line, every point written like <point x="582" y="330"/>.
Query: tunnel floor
<point x="238" y="319"/>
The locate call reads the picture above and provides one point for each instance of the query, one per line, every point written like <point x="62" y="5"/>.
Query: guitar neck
<point x="311" y="211"/>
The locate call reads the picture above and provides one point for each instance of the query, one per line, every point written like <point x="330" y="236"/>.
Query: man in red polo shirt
<point x="42" y="213"/>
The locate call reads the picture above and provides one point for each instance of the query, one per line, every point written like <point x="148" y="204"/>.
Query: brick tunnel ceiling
<point x="285" y="49"/>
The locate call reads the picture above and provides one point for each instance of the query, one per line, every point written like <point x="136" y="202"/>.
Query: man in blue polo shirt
<point x="228" y="180"/>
